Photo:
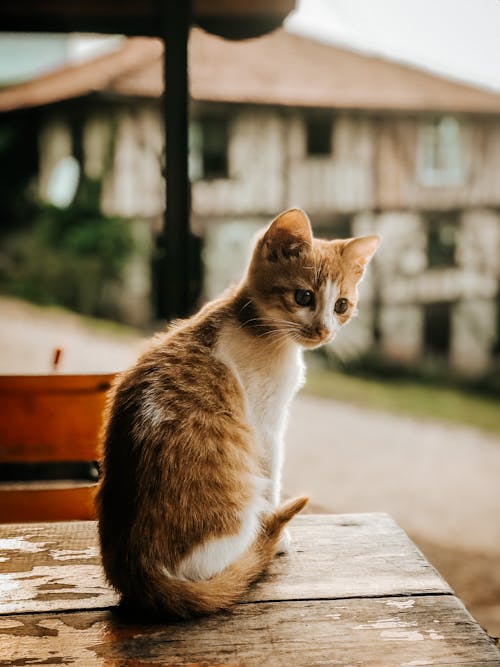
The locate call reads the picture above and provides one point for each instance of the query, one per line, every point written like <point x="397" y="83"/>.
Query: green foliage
<point x="18" y="168"/>
<point x="72" y="256"/>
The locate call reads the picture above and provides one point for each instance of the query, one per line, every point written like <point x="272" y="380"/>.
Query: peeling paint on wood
<point x="51" y="566"/>
<point x="353" y="591"/>
<point x="57" y="566"/>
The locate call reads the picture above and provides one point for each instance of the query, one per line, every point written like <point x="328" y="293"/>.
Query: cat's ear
<point x="357" y="252"/>
<point x="288" y="236"/>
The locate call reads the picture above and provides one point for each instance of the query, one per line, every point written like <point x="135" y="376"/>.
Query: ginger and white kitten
<point x="189" y="504"/>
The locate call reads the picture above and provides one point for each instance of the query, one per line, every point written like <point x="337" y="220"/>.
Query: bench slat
<point x="51" y="418"/>
<point x="35" y="501"/>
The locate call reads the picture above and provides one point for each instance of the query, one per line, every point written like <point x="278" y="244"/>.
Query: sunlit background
<point x="373" y="117"/>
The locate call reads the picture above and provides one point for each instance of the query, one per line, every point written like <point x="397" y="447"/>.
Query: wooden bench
<point x="354" y="590"/>
<point x="49" y="419"/>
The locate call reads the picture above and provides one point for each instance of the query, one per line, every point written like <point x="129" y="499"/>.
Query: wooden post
<point x="178" y="275"/>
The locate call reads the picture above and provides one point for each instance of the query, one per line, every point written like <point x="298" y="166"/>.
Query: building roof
<point x="275" y="69"/>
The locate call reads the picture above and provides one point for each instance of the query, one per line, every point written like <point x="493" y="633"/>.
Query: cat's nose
<point x="323" y="332"/>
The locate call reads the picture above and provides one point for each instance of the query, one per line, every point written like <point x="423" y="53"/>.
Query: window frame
<point x="434" y="314"/>
<point x="441" y="254"/>
<point x="313" y="121"/>
<point x="434" y="142"/>
<point x="198" y="147"/>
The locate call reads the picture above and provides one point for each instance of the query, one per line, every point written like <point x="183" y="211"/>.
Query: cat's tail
<point x="166" y="596"/>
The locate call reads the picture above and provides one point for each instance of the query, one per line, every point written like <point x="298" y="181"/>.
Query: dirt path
<point x="440" y="482"/>
<point x="29" y="335"/>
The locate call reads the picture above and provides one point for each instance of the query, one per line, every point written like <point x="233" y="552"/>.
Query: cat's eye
<point x="304" y="297"/>
<point x="341" y="305"/>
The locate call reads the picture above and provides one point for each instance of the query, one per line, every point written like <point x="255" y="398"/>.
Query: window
<point x="318" y="135"/>
<point x="440" y="153"/>
<point x="213" y="147"/>
<point x="63" y="182"/>
<point x="441" y="243"/>
<point x="437" y="328"/>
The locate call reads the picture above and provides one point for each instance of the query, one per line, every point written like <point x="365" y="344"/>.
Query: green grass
<point x="418" y="400"/>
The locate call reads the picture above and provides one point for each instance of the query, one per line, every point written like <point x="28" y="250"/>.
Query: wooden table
<point x="353" y="591"/>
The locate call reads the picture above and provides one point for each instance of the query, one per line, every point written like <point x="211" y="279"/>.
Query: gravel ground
<point x="440" y="482"/>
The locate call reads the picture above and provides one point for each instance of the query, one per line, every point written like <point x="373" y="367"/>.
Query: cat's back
<point x="175" y="430"/>
<point x="178" y="373"/>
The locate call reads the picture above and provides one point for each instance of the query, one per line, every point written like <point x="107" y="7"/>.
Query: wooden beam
<point x="139" y="17"/>
<point x="175" y="265"/>
<point x="246" y="8"/>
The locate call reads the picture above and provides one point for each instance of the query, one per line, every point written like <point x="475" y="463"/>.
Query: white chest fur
<point x="270" y="375"/>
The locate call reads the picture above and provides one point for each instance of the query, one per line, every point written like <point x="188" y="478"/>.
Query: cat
<point x="189" y="503"/>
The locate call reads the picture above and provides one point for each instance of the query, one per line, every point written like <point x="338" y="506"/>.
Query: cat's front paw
<point x="284" y="543"/>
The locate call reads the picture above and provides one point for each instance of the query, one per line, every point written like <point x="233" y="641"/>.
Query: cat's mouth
<point x="311" y="341"/>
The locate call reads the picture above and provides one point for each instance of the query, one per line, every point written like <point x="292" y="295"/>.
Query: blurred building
<point x="362" y="144"/>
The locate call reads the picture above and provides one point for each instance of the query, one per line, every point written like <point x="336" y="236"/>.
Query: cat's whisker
<point x="273" y="332"/>
<point x="276" y="334"/>
<point x="279" y="335"/>
<point x="250" y="321"/>
<point x="283" y="334"/>
<point x="246" y="305"/>
<point x="281" y="343"/>
<point x="276" y="320"/>
<point x="268" y="321"/>
<point x="289" y="324"/>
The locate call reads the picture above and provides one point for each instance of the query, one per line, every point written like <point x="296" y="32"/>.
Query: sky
<point x="457" y="38"/>
<point x="24" y="55"/>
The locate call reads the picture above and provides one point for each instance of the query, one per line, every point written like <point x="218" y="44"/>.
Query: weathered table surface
<point x="354" y="590"/>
